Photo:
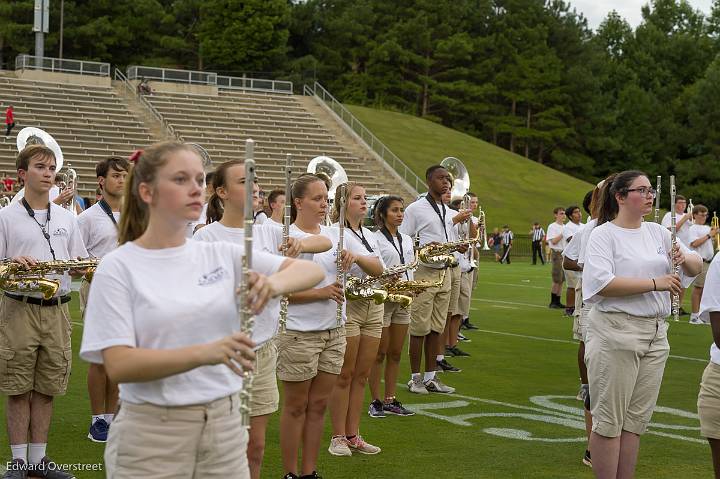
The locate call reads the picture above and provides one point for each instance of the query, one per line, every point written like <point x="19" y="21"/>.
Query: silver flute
<point x="286" y="235"/>
<point x="247" y="319"/>
<point x="657" y="199"/>
<point x="340" y="274"/>
<point x="673" y="244"/>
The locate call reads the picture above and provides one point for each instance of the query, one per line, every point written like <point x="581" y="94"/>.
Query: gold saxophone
<point x="441" y="253"/>
<point x="403" y="291"/>
<point x="16" y="278"/>
<point x="357" y="288"/>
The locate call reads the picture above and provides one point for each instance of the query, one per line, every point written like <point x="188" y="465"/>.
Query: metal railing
<point x="370" y="140"/>
<point x="136" y="72"/>
<point x="246" y="83"/>
<point x="144" y="101"/>
<point x="62" y="65"/>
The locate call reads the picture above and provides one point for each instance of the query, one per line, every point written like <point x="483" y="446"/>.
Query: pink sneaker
<point x="358" y="444"/>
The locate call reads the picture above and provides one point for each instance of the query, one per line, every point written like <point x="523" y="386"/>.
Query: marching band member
<point x="708" y="403"/>
<point x="226" y="220"/>
<point x="682" y="229"/>
<point x="395" y="249"/>
<point x="574" y="224"/>
<point x="276" y="202"/>
<point x="311" y="350"/>
<point x="428" y="218"/>
<point x="34" y="332"/>
<point x="474" y="203"/>
<point x="363" y="330"/>
<point x="626" y="278"/>
<point x="98" y="227"/>
<point x="163" y="318"/>
<point x="700" y="239"/>
<point x="556" y="244"/>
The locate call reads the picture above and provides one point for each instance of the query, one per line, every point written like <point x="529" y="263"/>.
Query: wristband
<point x="654" y="284"/>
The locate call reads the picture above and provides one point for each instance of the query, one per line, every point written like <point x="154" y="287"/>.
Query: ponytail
<point x="134" y="215"/>
<point x="335" y="214"/>
<point x="608" y="206"/>
<point x="214" y="208"/>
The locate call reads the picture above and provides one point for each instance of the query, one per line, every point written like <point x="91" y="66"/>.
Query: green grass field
<point x="511" y="188"/>
<point x="514" y="414"/>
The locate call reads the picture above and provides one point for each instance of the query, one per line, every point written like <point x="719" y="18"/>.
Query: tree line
<point x="527" y="75"/>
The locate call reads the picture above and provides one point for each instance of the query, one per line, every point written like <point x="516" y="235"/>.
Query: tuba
<point x="334" y="175"/>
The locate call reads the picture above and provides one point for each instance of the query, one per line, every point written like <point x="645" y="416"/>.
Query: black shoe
<point x="449" y="351"/>
<point x="49" y="470"/>
<point x="314" y="475"/>
<point x="458" y="352"/>
<point x="462" y="337"/>
<point x="468" y="324"/>
<point x="445" y="367"/>
<point x="586" y="459"/>
<point x="17" y="469"/>
<point x="290" y="475"/>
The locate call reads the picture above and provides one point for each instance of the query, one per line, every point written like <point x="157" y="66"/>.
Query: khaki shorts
<point x="579" y="324"/>
<point x="475" y="277"/>
<point x="35" y="348"/>
<point x="84" y="293"/>
<point x="465" y="293"/>
<point x="265" y="397"/>
<point x="364" y="317"/>
<point x="428" y="312"/>
<point x="203" y="441"/>
<point x="625" y="357"/>
<point x="699" y="281"/>
<point x="557" y="269"/>
<point x="572" y="278"/>
<point x="395" y="314"/>
<point x="455" y="280"/>
<point x="301" y="354"/>
<point x="708" y="403"/>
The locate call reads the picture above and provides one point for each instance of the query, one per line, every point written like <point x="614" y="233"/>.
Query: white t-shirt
<point x="421" y="219"/>
<point x="711" y="301"/>
<point x="166" y="299"/>
<point x="99" y="233"/>
<point x="553" y="231"/>
<point x="631" y="253"/>
<point x="683" y="232"/>
<point x="264" y="239"/>
<point x="21" y="236"/>
<point x="355" y="238"/>
<point x="572" y="250"/>
<point x="570" y="229"/>
<point x="462" y="258"/>
<point x="260" y="218"/>
<point x="390" y="251"/>
<point x="190" y="230"/>
<point x="54" y="193"/>
<point x="584" y="235"/>
<point x="705" y="250"/>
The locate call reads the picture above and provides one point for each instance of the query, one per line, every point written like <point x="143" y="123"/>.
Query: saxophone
<point x="357" y="288"/>
<point x="402" y="291"/>
<point x="441" y="253"/>
<point x="16" y="278"/>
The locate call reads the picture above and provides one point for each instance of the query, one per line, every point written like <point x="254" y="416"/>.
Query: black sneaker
<point x="290" y="475"/>
<point x="586" y="459"/>
<point x="445" y="367"/>
<point x="396" y="408"/>
<point x="462" y="337"/>
<point x="469" y="325"/>
<point x="49" y="470"/>
<point x="556" y="306"/>
<point x="17" y="469"/>
<point x="314" y="475"/>
<point x="458" y="352"/>
<point x="376" y="409"/>
<point x="449" y="352"/>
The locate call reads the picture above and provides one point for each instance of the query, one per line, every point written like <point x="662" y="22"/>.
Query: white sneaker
<point x="582" y="393"/>
<point x="339" y="446"/>
<point x="696" y="320"/>
<point x="435" y="386"/>
<point x="358" y="444"/>
<point x="416" y="386"/>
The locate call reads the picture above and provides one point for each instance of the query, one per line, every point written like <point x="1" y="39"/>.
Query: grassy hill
<point x="511" y="189"/>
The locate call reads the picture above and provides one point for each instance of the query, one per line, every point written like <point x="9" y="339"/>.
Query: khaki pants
<point x="708" y="403"/>
<point x="455" y="284"/>
<point x="206" y="441"/>
<point x="428" y="312"/>
<point x="265" y="397"/>
<point x="625" y="357"/>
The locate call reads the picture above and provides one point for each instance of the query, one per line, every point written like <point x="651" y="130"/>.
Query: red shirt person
<point x="9" y="120"/>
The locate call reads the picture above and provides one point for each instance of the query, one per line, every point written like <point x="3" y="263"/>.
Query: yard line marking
<point x="516" y="285"/>
<point x="510" y="302"/>
<point x="501" y="306"/>
<point x="567" y="341"/>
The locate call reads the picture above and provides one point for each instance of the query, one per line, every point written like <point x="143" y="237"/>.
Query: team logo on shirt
<point x="218" y="274"/>
<point x="661" y="250"/>
<point x="60" y="232"/>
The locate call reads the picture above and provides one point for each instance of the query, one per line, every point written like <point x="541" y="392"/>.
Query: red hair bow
<point x="135" y="156"/>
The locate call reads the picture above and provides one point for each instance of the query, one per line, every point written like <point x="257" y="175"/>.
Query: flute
<point x="657" y="200"/>
<point x="286" y="235"/>
<point x="340" y="274"/>
<point x="673" y="241"/>
<point x="247" y="319"/>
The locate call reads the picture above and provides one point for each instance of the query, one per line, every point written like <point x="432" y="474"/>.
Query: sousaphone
<point x="328" y="169"/>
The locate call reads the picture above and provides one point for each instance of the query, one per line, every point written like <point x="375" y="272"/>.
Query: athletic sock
<point x="439" y="357"/>
<point x="20" y="451"/>
<point x="109" y="418"/>
<point x="389" y="399"/>
<point x="428" y="376"/>
<point x="97" y="417"/>
<point x="415" y="377"/>
<point x="36" y="451"/>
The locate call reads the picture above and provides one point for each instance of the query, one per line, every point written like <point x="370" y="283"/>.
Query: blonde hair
<point x="349" y="186"/>
<point x="135" y="214"/>
<point x="299" y="189"/>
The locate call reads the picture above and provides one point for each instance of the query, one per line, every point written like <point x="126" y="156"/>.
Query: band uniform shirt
<point x="683" y="232"/>
<point x="391" y="256"/>
<point x="570" y="229"/>
<point x="260" y="217"/>
<point x="705" y="250"/>
<point x="357" y="245"/>
<point x="165" y="299"/>
<point x="421" y="219"/>
<point x="572" y="250"/>
<point x="538" y="234"/>
<point x="21" y="236"/>
<point x="553" y="231"/>
<point x="462" y="258"/>
<point x="710" y="302"/>
<point x="584" y="237"/>
<point x="631" y="253"/>
<point x="54" y="193"/>
<point x="98" y="232"/>
<point x="267" y="322"/>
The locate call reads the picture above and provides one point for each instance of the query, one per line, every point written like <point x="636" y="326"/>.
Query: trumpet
<point x="689" y="211"/>
<point x="286" y="235"/>
<point x="246" y="317"/>
<point x="16" y="278"/>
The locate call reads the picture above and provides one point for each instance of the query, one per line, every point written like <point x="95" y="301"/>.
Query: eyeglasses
<point x="644" y="191"/>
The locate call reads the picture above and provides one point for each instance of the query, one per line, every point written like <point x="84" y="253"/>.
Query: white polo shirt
<point x="390" y="251"/>
<point x="553" y="231"/>
<point x="705" y="250"/>
<point x="422" y="220"/>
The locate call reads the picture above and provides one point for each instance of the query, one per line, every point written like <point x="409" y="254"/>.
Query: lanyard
<point x="44" y="227"/>
<point x="437" y="211"/>
<point x="108" y="211"/>
<point x="361" y="237"/>
<point x="389" y="237"/>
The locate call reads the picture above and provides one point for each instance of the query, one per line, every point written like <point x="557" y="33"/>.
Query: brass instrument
<point x="246" y="317"/>
<point x="339" y="273"/>
<point x="482" y="224"/>
<point x="657" y="199"/>
<point x="4" y="201"/>
<point x="204" y="155"/>
<point x="71" y="176"/>
<point x="441" y="253"/>
<point x="413" y="287"/>
<point x="460" y="178"/>
<point x="675" y="299"/>
<point x="715" y="223"/>
<point x="356" y="288"/>
<point x="333" y="173"/>
<point x="688" y="211"/>
<point x="286" y="234"/>
<point x="16" y="278"/>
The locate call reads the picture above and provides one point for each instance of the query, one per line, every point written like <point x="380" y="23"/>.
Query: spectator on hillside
<point x="9" y="120"/>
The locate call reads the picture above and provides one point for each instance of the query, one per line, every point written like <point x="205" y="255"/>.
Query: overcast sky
<point x="596" y="10"/>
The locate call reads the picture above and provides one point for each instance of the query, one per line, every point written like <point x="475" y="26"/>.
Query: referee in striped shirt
<point x="506" y="238"/>
<point x="537" y="234"/>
